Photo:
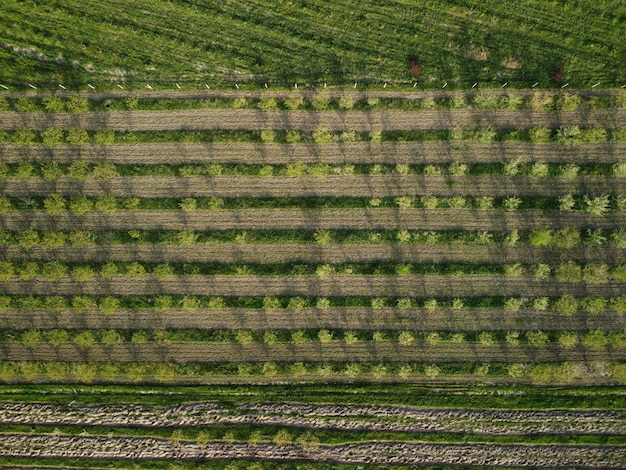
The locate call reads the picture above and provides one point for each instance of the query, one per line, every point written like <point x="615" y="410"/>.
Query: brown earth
<point x="259" y="253"/>
<point x="248" y="119"/>
<point x="315" y="351"/>
<point x="312" y="219"/>
<point x="358" y="153"/>
<point x="354" y="318"/>
<point x="381" y="453"/>
<point x="369" y="186"/>
<point x="330" y="286"/>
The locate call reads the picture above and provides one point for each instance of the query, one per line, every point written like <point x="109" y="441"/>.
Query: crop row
<point x="570" y="136"/>
<point x="564" y="373"/>
<point x="85" y="338"/>
<point x="570" y="271"/>
<point x="376" y="243"/>
<point x="545" y="100"/>
<point x="567" y="304"/>
<point x="357" y="153"/>
<point x="80" y="169"/>
<point x="55" y="204"/>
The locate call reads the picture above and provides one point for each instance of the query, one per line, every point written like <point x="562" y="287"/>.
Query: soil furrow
<point x="316" y="286"/>
<point x="382" y="453"/>
<point x="313" y="219"/>
<point x="250" y="253"/>
<point x="359" y="153"/>
<point x="339" y="318"/>
<point x="370" y="352"/>
<point x="249" y="119"/>
<point x="370" y="186"/>
<point x="320" y="417"/>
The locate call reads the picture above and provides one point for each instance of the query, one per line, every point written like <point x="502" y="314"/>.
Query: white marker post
<point x="61" y="86"/>
<point x="178" y="86"/>
<point x="120" y="86"/>
<point x="595" y="85"/>
<point x="385" y="85"/>
<point x="90" y="86"/>
<point x="535" y="84"/>
<point x="5" y="87"/>
<point x="567" y="84"/>
<point x="295" y="85"/>
<point x="324" y="84"/>
<point x="445" y="85"/>
<point x="32" y="86"/>
<point x="354" y="84"/>
<point x="237" y="86"/>
<point x="415" y="84"/>
<point x="505" y="84"/>
<point x="265" y="85"/>
<point x="148" y="86"/>
<point x="475" y="85"/>
<point x="207" y="86"/>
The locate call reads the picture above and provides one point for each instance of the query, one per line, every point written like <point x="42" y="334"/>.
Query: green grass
<point x="193" y="42"/>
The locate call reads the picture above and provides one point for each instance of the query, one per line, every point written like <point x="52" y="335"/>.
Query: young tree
<point x="54" y="204"/>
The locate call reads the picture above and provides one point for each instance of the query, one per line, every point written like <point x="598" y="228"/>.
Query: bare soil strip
<point x="358" y="153"/>
<point x="339" y="351"/>
<point x="331" y="286"/>
<point x="382" y="453"/>
<point x="339" y="318"/>
<point x="261" y="253"/>
<point x="313" y="219"/>
<point x="306" y="285"/>
<point x="249" y="119"/>
<point x="341" y="417"/>
<point x="370" y="186"/>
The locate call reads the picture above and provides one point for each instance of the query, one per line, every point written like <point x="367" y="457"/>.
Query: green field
<point x="335" y="276"/>
<point x="198" y="42"/>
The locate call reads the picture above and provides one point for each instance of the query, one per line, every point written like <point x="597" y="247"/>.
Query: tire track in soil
<point x="313" y="286"/>
<point x="343" y="153"/>
<point x="262" y="253"/>
<point x="321" y="417"/>
<point x="382" y="453"/>
<point x="312" y="219"/>
<point x="369" y="186"/>
<point x="337" y="318"/>
<point x="369" y="352"/>
<point x="308" y="121"/>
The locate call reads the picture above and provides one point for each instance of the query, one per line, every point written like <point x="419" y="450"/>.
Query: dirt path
<point x="369" y="186"/>
<point x="357" y="153"/>
<point x="313" y="219"/>
<point x="314" y="286"/>
<point x="321" y="417"/>
<point x="248" y="119"/>
<point x="381" y="453"/>
<point x="367" y="319"/>
<point x="368" y="352"/>
<point x="253" y="253"/>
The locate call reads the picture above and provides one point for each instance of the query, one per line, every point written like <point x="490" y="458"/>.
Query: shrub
<point x="595" y="339"/>
<point x="596" y="273"/>
<point x="104" y="137"/>
<point x="346" y="102"/>
<point x="31" y="338"/>
<point x="54" y="204"/>
<point x="297" y="304"/>
<point x="567" y="238"/>
<point x="52" y="136"/>
<point x="53" y="104"/>
<point x="541" y="237"/>
<point x="79" y="169"/>
<point x="105" y="171"/>
<point x="569" y="272"/>
<point x="537" y="338"/>
<point x="593" y="305"/>
<point x="54" y="270"/>
<point x="405" y="338"/>
<point x="320" y="102"/>
<point x="81" y="303"/>
<point x="325" y="336"/>
<point x="486" y="338"/>
<point x="84" y="340"/>
<point x="28" y="270"/>
<point x="106" y="204"/>
<point x="27" y="239"/>
<point x="267" y="102"/>
<point x="135" y="269"/>
<point x="568" y="339"/>
<point x="268" y="136"/>
<point x="567" y="305"/>
<point x="82" y="273"/>
<point x="293" y="102"/>
<point x="322" y="135"/>
<point x="619" y="304"/>
<point x="57" y="337"/>
<point x="53" y="239"/>
<point x="541" y="303"/>
<point x="24" y="137"/>
<point x="619" y="273"/>
<point x="271" y="304"/>
<point x="188" y="204"/>
<point x="513" y="304"/>
<point x="77" y="137"/>
<point x="6" y="270"/>
<point x="77" y="104"/>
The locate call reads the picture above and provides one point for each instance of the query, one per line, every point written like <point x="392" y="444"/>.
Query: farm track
<point x="312" y="219"/>
<point x="321" y="417"/>
<point x="357" y="153"/>
<point x="308" y="121"/>
<point x="306" y="285"/>
<point x="370" y="186"/>
<point x="339" y="318"/>
<point x="382" y="453"/>
<point x="339" y="351"/>
<point x="253" y="253"/>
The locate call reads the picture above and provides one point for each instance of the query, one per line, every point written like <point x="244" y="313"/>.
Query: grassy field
<point x="198" y="42"/>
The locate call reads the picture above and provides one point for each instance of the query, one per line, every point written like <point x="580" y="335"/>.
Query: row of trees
<point x="79" y="205"/>
<point x="484" y="99"/>
<point x="565" y="305"/>
<point x="565" y="372"/>
<point x="55" y="136"/>
<point x="84" y="339"/>
<point x="570" y="271"/>
<point x="81" y="169"/>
